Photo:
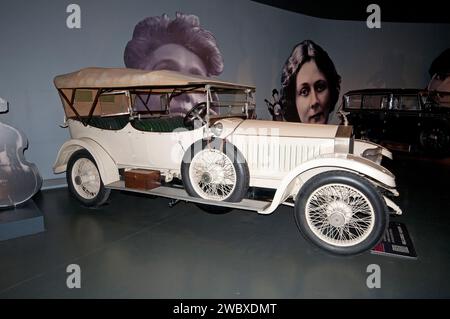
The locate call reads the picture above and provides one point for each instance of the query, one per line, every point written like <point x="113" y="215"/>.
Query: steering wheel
<point x="197" y="112"/>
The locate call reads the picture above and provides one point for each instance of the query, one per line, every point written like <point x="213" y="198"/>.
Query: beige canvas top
<point x="123" y="78"/>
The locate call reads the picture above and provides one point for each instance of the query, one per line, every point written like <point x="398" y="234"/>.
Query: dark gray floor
<point x="137" y="247"/>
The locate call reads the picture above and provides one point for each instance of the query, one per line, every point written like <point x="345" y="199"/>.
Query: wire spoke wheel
<point x="340" y="214"/>
<point x="215" y="170"/>
<point x="213" y="175"/>
<point x="85" y="178"/>
<point x="436" y="140"/>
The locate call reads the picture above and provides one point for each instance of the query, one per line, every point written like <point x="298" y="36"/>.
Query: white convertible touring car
<point x="124" y="137"/>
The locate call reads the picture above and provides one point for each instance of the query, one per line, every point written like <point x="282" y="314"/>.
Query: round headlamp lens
<point x="217" y="129"/>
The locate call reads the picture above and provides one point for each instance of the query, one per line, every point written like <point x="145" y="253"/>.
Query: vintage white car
<point x="124" y="137"/>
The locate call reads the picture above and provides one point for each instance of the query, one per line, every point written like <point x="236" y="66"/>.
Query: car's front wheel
<point x="341" y="212"/>
<point x="84" y="180"/>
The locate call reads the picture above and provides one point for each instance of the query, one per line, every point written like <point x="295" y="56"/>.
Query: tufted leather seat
<point x="109" y="123"/>
<point x="162" y="124"/>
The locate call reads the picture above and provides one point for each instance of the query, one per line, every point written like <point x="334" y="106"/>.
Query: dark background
<point x="392" y="11"/>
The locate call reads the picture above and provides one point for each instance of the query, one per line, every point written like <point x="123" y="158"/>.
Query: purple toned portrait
<point x="439" y="84"/>
<point x="440" y="73"/>
<point x="180" y="44"/>
<point x="310" y="84"/>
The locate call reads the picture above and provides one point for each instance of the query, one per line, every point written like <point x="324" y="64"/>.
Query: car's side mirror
<point x="3" y="106"/>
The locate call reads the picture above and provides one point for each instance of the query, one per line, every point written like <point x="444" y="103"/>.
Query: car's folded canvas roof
<point x="123" y="78"/>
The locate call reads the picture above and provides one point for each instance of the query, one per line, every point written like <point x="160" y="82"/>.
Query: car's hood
<point x="259" y="127"/>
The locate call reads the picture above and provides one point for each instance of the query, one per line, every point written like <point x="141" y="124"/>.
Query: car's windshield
<point x="222" y="102"/>
<point x="225" y="103"/>
<point x="84" y="104"/>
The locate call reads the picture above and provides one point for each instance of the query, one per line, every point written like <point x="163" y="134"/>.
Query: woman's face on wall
<point x="175" y="57"/>
<point x="312" y="94"/>
<point x="440" y="82"/>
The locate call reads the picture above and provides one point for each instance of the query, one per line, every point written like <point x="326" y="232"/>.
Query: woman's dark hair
<point x="441" y="64"/>
<point x="153" y="32"/>
<point x="302" y="53"/>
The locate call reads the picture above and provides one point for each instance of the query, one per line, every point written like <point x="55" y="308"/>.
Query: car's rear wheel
<point x="213" y="209"/>
<point x="215" y="170"/>
<point x="341" y="213"/>
<point x="84" y="180"/>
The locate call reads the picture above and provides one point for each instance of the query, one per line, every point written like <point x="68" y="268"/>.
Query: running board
<point x="180" y="193"/>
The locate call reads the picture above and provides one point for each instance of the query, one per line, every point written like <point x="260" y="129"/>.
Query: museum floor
<point x="138" y="247"/>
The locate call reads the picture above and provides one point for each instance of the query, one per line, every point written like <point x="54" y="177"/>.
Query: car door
<point x="373" y="116"/>
<point x="161" y="148"/>
<point x="403" y="119"/>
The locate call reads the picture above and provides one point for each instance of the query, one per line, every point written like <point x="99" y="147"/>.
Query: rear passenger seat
<point x="109" y="123"/>
<point x="161" y="124"/>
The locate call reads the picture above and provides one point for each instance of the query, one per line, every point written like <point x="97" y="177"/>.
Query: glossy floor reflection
<point x="138" y="247"/>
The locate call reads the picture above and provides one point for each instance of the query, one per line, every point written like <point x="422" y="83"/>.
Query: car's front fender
<point x="360" y="147"/>
<point x="106" y="166"/>
<point x="295" y="179"/>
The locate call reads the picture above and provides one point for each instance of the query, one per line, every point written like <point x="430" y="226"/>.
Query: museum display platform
<point x="25" y="219"/>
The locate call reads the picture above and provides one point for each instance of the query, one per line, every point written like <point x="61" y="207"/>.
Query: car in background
<point x="414" y="117"/>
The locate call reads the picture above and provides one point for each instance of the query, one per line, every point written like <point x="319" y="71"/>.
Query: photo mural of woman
<point x="310" y="86"/>
<point x="439" y="84"/>
<point x="440" y="73"/>
<point x="180" y="44"/>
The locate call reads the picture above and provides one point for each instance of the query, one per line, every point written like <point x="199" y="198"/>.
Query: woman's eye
<point x="441" y="76"/>
<point x="320" y="87"/>
<point x="304" y="92"/>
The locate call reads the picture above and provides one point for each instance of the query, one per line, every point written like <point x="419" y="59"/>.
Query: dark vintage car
<point x="416" y="118"/>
